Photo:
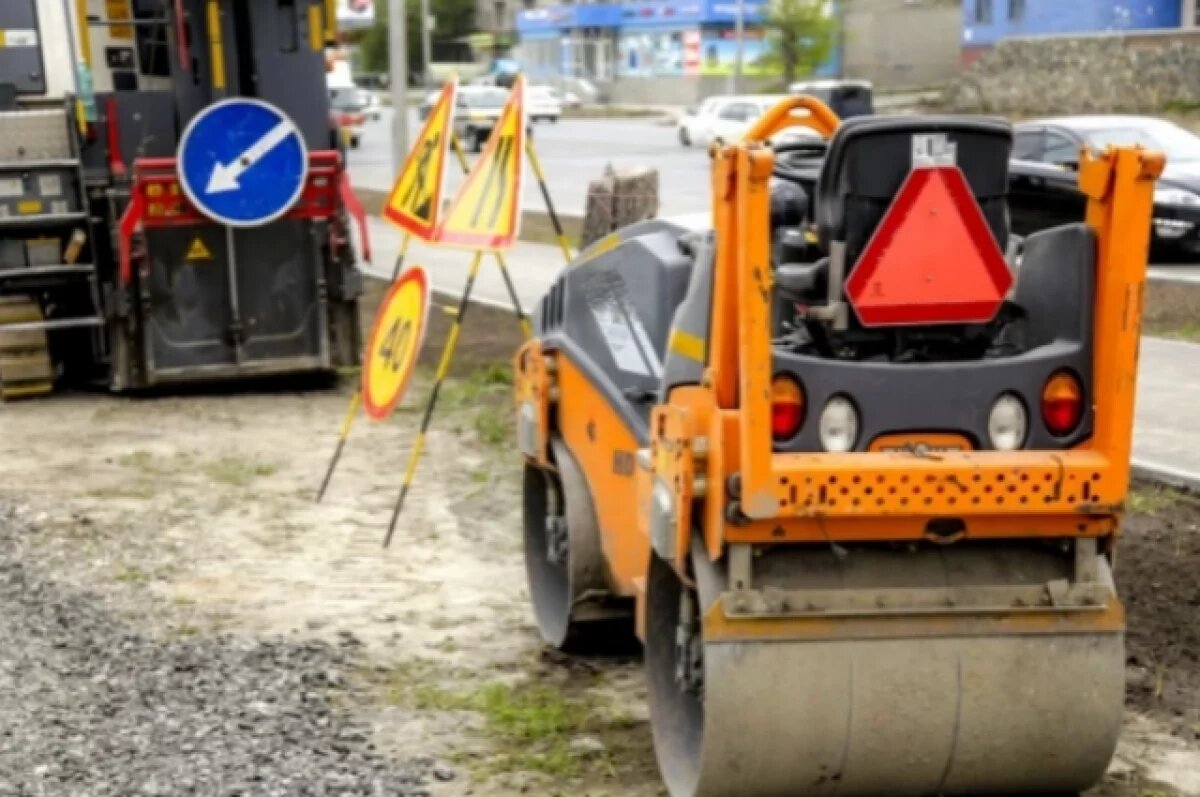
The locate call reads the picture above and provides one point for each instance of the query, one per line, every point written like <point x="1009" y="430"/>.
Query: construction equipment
<point x="851" y="464"/>
<point x="109" y="273"/>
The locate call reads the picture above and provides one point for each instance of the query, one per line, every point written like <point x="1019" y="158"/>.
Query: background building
<point x="985" y="22"/>
<point x="903" y="43"/>
<point x="661" y="51"/>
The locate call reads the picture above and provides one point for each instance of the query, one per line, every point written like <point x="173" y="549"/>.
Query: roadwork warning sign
<point x="416" y="195"/>
<point x="486" y="212"/>
<point x="395" y="342"/>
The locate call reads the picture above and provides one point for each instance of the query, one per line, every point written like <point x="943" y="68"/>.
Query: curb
<point x="1167" y="476"/>
<point x="536" y="226"/>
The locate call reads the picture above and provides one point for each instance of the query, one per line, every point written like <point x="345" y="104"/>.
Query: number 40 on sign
<point x="395" y="343"/>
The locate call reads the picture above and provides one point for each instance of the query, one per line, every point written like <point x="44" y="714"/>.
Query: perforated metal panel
<point x="34" y="135"/>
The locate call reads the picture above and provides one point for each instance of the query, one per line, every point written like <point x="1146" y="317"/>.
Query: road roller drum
<point x="854" y="703"/>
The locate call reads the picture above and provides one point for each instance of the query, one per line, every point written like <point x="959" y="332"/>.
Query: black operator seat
<point x="868" y="160"/>
<point x="870" y="157"/>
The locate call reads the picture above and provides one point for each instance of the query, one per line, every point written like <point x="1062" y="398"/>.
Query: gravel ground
<point x="90" y="706"/>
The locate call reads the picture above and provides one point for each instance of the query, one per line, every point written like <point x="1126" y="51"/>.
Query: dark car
<point x="847" y="98"/>
<point x="1043" y="190"/>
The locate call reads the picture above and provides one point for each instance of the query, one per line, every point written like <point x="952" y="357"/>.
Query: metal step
<point x="36" y="163"/>
<point x="48" y="270"/>
<point x="53" y="324"/>
<point x="41" y="220"/>
<point x="25" y="367"/>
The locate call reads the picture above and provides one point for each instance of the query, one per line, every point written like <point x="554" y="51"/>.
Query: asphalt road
<point x="571" y="152"/>
<point x="574" y="151"/>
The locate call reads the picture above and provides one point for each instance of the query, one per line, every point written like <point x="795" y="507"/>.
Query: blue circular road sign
<point x="242" y="162"/>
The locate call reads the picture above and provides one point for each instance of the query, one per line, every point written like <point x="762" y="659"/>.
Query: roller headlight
<point x="1007" y="423"/>
<point x="838" y="426"/>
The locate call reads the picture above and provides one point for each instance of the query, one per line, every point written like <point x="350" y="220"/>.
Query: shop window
<point x="983" y="12"/>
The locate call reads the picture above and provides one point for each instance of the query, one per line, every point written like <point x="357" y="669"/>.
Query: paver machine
<point x="851" y="463"/>
<point x="108" y="272"/>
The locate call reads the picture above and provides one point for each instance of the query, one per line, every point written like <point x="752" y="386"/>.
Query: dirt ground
<point x="195" y="515"/>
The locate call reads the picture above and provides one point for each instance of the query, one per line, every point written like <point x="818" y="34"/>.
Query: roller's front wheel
<point x="565" y="565"/>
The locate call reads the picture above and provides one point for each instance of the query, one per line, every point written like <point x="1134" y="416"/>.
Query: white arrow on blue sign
<point x="242" y="162"/>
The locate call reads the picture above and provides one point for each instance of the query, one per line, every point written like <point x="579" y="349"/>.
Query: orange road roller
<point x="850" y="462"/>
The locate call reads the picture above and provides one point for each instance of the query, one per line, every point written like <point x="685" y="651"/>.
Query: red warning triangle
<point x="933" y="258"/>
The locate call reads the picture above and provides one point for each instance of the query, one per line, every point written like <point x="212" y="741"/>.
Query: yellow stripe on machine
<point x="215" y="46"/>
<point x="331" y="22"/>
<point x="685" y="344"/>
<point x="316" y="28"/>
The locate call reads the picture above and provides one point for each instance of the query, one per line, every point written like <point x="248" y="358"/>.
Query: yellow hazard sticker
<point x="118" y="11"/>
<point x="395" y="343"/>
<point x="416" y="195"/>
<point x="198" y="251"/>
<point x="486" y="211"/>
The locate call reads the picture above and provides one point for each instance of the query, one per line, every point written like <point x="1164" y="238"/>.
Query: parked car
<point x="846" y="98"/>
<point x="371" y="105"/>
<point x="569" y="99"/>
<point x="544" y="104"/>
<point x="1043" y="190"/>
<point x="728" y="118"/>
<point x="476" y="111"/>
<point x="426" y="106"/>
<point x="349" y="111"/>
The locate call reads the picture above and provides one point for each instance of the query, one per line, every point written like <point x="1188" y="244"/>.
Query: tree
<point x="801" y="35"/>
<point x="455" y="18"/>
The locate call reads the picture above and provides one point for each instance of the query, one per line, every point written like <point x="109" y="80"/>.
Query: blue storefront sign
<point x="987" y="21"/>
<point x="673" y="13"/>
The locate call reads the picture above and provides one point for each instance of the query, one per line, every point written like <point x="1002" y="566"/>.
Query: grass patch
<point x="1181" y="106"/>
<point x="531" y="727"/>
<point x="1187" y="331"/>
<point x="134" y="575"/>
<point x="494" y="426"/>
<point x="487" y="392"/>
<point x="238" y="471"/>
<point x="141" y="491"/>
<point x="612" y="112"/>
<point x="145" y="462"/>
<point x="182" y="632"/>
<point x="1145" y="499"/>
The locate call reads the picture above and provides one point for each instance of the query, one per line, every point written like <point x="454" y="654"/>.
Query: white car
<point x="544" y="103"/>
<point x="724" y="117"/>
<point x="372" y="108"/>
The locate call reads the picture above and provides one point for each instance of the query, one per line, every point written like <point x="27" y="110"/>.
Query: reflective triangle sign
<point x="416" y="196"/>
<point x="486" y="211"/>
<point x="932" y="259"/>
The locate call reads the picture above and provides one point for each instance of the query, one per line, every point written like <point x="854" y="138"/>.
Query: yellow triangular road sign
<point x="417" y="194"/>
<point x="486" y="211"/>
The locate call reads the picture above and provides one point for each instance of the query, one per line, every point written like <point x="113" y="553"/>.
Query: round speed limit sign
<point x="395" y="342"/>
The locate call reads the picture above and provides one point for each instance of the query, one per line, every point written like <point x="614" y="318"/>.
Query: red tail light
<point x="787" y="407"/>
<point x="1062" y="403"/>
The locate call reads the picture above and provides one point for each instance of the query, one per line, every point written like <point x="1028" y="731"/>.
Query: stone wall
<point x="1107" y="73"/>
<point x="681" y="90"/>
